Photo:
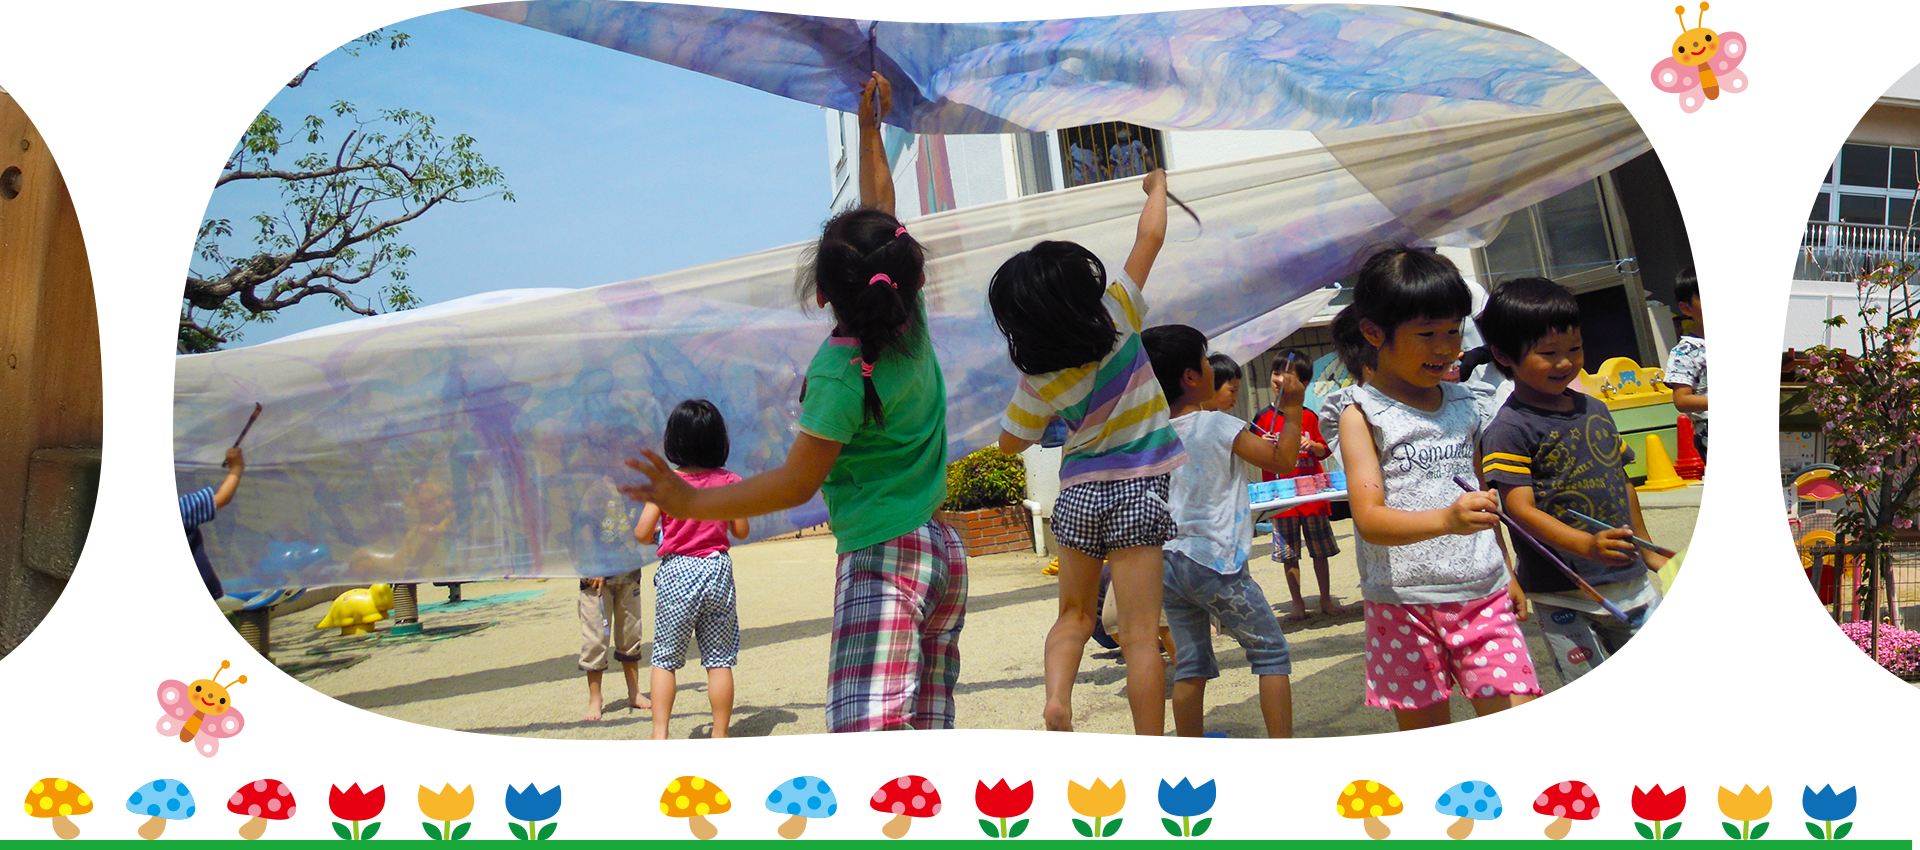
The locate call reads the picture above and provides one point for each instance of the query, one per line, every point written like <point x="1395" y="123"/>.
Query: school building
<point x="1859" y="218"/>
<point x="1617" y="241"/>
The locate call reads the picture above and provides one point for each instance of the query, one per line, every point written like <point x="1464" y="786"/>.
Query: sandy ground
<point x="516" y="675"/>
<point x="52" y="731"/>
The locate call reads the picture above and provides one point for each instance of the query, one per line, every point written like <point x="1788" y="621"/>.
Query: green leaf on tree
<point x="433" y="832"/>
<point x="1758" y="831"/>
<point x="341" y="830"/>
<point x="1113" y="826"/>
<point x="1085" y="829"/>
<point x="1200" y="828"/>
<point x="990" y="828"/>
<point x="1173" y="829"/>
<point x="1019" y="826"/>
<point x="1841" y="831"/>
<point x="367" y="833"/>
<point x="1733" y="832"/>
<point x="1645" y="831"/>
<point x="460" y="831"/>
<point x="1673" y="829"/>
<point x="519" y="831"/>
<point x="546" y="832"/>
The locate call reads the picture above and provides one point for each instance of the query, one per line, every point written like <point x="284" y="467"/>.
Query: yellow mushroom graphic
<point x="694" y="798"/>
<point x="1370" y="801"/>
<point x="57" y="800"/>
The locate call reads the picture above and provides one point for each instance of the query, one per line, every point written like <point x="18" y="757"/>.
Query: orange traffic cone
<point x="1660" y="474"/>
<point x="1691" y="467"/>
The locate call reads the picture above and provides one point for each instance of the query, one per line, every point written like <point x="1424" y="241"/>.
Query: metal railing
<point x="1844" y="613"/>
<point x="1826" y="250"/>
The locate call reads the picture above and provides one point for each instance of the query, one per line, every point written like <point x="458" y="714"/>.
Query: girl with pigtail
<point x="873" y="443"/>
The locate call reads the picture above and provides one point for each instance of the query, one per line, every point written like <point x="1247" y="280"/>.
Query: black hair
<point x="1521" y="312"/>
<point x="1173" y="350"/>
<point x="1299" y="361"/>
<point x="1224" y="370"/>
<point x="1686" y="287"/>
<point x="870" y="270"/>
<point x="697" y="435"/>
<point x="1394" y="286"/>
<point x="1046" y="300"/>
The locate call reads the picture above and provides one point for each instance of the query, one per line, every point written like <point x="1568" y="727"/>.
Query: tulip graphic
<point x="1186" y="803"/>
<point x="1829" y="807"/>
<point x="532" y="806"/>
<point x="1000" y="801"/>
<point x="1100" y="801"/>
<point x="356" y="805"/>
<point x="446" y="806"/>
<point x="1658" y="806"/>
<point x="1746" y="807"/>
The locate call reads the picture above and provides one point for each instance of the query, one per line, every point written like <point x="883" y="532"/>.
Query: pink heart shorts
<point x="1417" y="653"/>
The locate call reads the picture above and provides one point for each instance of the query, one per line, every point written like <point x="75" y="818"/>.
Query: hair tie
<point x="900" y="232"/>
<point x="866" y="369"/>
<point x="881" y="278"/>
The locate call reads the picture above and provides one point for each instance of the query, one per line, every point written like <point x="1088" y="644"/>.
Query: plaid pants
<point x="897" y="612"/>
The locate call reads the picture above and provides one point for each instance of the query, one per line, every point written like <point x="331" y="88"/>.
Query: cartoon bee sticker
<point x="200" y="713"/>
<point x="1703" y="63"/>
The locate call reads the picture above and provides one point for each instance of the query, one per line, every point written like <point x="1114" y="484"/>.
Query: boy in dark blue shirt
<point x="194" y="584"/>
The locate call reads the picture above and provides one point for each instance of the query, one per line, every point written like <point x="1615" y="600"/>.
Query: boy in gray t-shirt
<point x="1206" y="573"/>
<point x="1553" y="451"/>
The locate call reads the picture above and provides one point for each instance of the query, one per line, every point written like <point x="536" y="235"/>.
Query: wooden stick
<point x="244" y="430"/>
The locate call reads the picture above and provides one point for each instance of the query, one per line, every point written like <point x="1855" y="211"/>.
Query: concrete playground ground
<point x="503" y="662"/>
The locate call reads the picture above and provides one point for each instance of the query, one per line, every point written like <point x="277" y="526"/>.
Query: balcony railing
<point x="1842" y="250"/>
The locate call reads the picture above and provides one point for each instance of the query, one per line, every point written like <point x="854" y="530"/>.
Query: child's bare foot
<point x="1298" y="614"/>
<point x="639" y="702"/>
<point x="593" y="711"/>
<point x="1330" y="609"/>
<point x="1058" y="718"/>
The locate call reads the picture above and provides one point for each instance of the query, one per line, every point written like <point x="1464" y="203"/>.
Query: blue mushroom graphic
<point x="532" y="806"/>
<point x="1828" y="807"/>
<point x="801" y="798"/>
<point x="1469" y="801"/>
<point x="1186" y="802"/>
<point x="161" y="800"/>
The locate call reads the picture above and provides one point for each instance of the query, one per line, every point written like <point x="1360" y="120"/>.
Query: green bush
<point x="985" y="479"/>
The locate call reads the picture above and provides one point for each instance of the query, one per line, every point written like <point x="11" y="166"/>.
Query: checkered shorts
<point x="1098" y="517"/>
<point x="1287" y="531"/>
<point x="693" y="597"/>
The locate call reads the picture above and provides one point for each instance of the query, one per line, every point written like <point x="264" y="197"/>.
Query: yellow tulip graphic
<point x="446" y="806"/>
<point x="1746" y="807"/>
<point x="1100" y="801"/>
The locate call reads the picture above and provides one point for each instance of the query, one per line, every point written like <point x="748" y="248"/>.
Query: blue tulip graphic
<point x="1186" y="802"/>
<point x="532" y="806"/>
<point x="1828" y="807"/>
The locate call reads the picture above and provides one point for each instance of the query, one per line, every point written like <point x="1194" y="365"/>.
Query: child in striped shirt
<point x="1075" y="337"/>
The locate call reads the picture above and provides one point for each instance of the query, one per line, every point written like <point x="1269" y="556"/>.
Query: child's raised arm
<point x="1367" y="496"/>
<point x="876" y="177"/>
<point x="236" y="463"/>
<point x="1152" y="231"/>
<point x="789" y="486"/>
<point x="1277" y="453"/>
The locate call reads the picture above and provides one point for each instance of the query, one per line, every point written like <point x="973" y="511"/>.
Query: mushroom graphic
<point x="1371" y="801"/>
<point x="1469" y="801"/>
<point x="800" y="798"/>
<point x="1567" y="802"/>
<point x="261" y="800"/>
<point x="161" y="800"/>
<point x="906" y="798"/>
<point x="58" y="799"/>
<point x="694" y="798"/>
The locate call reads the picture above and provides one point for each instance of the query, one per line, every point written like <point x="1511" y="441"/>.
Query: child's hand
<point x="663" y="487"/>
<point x="594" y="584"/>
<point x="1156" y="182"/>
<point x="1473" y="513"/>
<point x="1610" y="546"/>
<point x="876" y="84"/>
<point x="236" y="459"/>
<point x="1292" y="393"/>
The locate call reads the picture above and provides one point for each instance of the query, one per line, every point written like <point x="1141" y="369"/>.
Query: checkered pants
<point x="897" y="612"/>
<point x="693" y="596"/>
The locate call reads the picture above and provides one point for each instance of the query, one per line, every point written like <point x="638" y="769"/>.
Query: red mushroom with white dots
<point x="1567" y="802"/>
<point x="905" y="798"/>
<point x="261" y="800"/>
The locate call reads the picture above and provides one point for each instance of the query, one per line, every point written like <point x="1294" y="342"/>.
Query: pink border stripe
<point x="1890" y="824"/>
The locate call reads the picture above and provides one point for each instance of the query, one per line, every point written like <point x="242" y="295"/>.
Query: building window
<point x="1869" y="185"/>
<point x="1114" y="150"/>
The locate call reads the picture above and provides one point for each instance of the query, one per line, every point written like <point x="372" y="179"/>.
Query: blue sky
<point x="622" y="167"/>
<point x="1894" y="23"/>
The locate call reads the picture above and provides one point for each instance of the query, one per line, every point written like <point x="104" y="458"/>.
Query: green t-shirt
<point x="890" y="477"/>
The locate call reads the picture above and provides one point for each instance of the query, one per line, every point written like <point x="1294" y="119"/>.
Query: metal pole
<point x="1873" y="600"/>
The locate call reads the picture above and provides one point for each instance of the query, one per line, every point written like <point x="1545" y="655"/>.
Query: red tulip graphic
<point x="356" y="805"/>
<point x="1658" y="806"/>
<point x="1002" y="802"/>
